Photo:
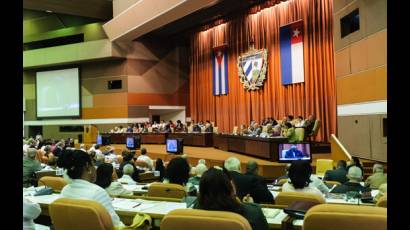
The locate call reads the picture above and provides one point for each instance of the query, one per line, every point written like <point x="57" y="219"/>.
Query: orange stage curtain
<point x="316" y="95"/>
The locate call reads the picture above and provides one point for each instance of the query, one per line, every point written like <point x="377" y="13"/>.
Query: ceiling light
<point x="49" y="11"/>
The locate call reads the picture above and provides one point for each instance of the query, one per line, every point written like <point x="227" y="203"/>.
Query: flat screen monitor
<point x="291" y="152"/>
<point x="174" y="145"/>
<point x="99" y="140"/>
<point x="133" y="142"/>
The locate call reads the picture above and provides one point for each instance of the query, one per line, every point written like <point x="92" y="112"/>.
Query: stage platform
<point x="216" y="157"/>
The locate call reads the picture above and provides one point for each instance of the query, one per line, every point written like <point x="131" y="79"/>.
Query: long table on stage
<point x="146" y="138"/>
<point x="266" y="148"/>
<point x="190" y="139"/>
<point x="195" y="139"/>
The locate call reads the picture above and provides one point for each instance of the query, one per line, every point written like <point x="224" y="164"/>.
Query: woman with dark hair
<point x="177" y="171"/>
<point x="127" y="158"/>
<point x="217" y="193"/>
<point x="81" y="171"/>
<point x="104" y="180"/>
<point x="299" y="178"/>
<point x="159" y="166"/>
<point x="289" y="132"/>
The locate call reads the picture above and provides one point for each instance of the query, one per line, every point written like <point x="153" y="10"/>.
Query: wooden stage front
<point x="216" y="157"/>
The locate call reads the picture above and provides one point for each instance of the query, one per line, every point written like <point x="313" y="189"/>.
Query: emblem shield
<point x="252" y="69"/>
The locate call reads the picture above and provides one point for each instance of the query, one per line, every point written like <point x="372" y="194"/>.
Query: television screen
<point x="290" y="152"/>
<point x="99" y="140"/>
<point x="130" y="143"/>
<point x="172" y="145"/>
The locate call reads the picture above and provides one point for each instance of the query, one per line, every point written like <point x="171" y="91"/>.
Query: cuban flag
<point x="220" y="71"/>
<point x="291" y="53"/>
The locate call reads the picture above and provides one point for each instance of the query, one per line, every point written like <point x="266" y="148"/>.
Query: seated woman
<point x="81" y="171"/>
<point x="177" y="172"/>
<point x="105" y="181"/>
<point x="159" y="166"/>
<point x="299" y="178"/>
<point x="290" y="133"/>
<point x="217" y="193"/>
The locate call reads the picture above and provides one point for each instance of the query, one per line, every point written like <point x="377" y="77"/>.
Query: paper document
<point x="270" y="212"/>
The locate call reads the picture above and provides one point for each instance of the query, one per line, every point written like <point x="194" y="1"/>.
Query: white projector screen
<point x="58" y="93"/>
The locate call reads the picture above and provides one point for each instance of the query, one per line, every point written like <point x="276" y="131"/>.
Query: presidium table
<point x="265" y="148"/>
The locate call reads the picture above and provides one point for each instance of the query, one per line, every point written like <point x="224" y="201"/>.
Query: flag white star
<point x="296" y="33"/>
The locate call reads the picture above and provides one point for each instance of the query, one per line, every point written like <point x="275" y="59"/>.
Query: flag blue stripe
<point x="286" y="55"/>
<point x="213" y="74"/>
<point x="226" y="71"/>
<point x="220" y="78"/>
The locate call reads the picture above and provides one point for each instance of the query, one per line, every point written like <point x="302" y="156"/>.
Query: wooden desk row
<point x="266" y="148"/>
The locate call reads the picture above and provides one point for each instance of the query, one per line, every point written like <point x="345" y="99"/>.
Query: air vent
<point x="115" y="84"/>
<point x="66" y="40"/>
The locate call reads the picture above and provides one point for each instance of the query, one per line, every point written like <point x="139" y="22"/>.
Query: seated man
<point x="30" y="166"/>
<point x="257" y="130"/>
<point x="145" y="158"/>
<point x="261" y="193"/>
<point x="378" y="178"/>
<point x="127" y="171"/>
<point x="199" y="170"/>
<point x="355" y="177"/>
<point x="294" y="152"/>
<point x="245" y="184"/>
<point x="339" y="174"/>
<point x="208" y="127"/>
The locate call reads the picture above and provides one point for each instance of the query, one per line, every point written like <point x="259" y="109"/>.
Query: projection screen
<point x="58" y="93"/>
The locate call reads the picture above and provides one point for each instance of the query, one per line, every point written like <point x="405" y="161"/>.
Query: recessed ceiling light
<point x="49" y="11"/>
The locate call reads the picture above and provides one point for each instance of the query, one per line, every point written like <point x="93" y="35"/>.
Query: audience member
<point x="99" y="159"/>
<point x="378" y="178"/>
<point x="127" y="158"/>
<point x="245" y="184"/>
<point x="309" y="124"/>
<point x="299" y="178"/>
<point x="354" y="174"/>
<point x="355" y="162"/>
<point x="382" y="192"/>
<point x="82" y="172"/>
<point x="105" y="181"/>
<point x="338" y="174"/>
<point x="177" y="172"/>
<point x="82" y="148"/>
<point x="290" y="133"/>
<point x="159" y="166"/>
<point x="30" y="212"/>
<point x="30" y="166"/>
<point x="260" y="192"/>
<point x="199" y="170"/>
<point x="127" y="171"/>
<point x="208" y="127"/>
<point x="216" y="193"/>
<point x="145" y="158"/>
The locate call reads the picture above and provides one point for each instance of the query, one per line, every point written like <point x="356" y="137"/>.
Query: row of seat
<point x="67" y="214"/>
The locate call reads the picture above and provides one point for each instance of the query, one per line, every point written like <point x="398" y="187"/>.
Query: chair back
<point x="215" y="129"/>
<point x="150" y="129"/>
<point x="382" y="202"/>
<point x="56" y="183"/>
<point x="51" y="173"/>
<point x="300" y="134"/>
<point x="332" y="182"/>
<point x="287" y="198"/>
<point x="181" y="219"/>
<point x="141" y="164"/>
<point x="342" y="217"/>
<point x="235" y="130"/>
<point x="316" y="128"/>
<point x="190" y="129"/>
<point x="158" y="189"/>
<point x="203" y="129"/>
<point x="322" y="165"/>
<point x="69" y="214"/>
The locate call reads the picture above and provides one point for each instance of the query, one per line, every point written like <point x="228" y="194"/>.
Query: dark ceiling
<point x="179" y="30"/>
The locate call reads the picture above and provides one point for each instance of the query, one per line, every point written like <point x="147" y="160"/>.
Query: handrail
<point x="338" y="151"/>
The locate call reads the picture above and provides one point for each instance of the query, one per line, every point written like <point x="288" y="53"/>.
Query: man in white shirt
<point x="145" y="158"/>
<point x="126" y="178"/>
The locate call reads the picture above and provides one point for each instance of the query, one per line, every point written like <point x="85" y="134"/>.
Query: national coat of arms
<point x="252" y="68"/>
